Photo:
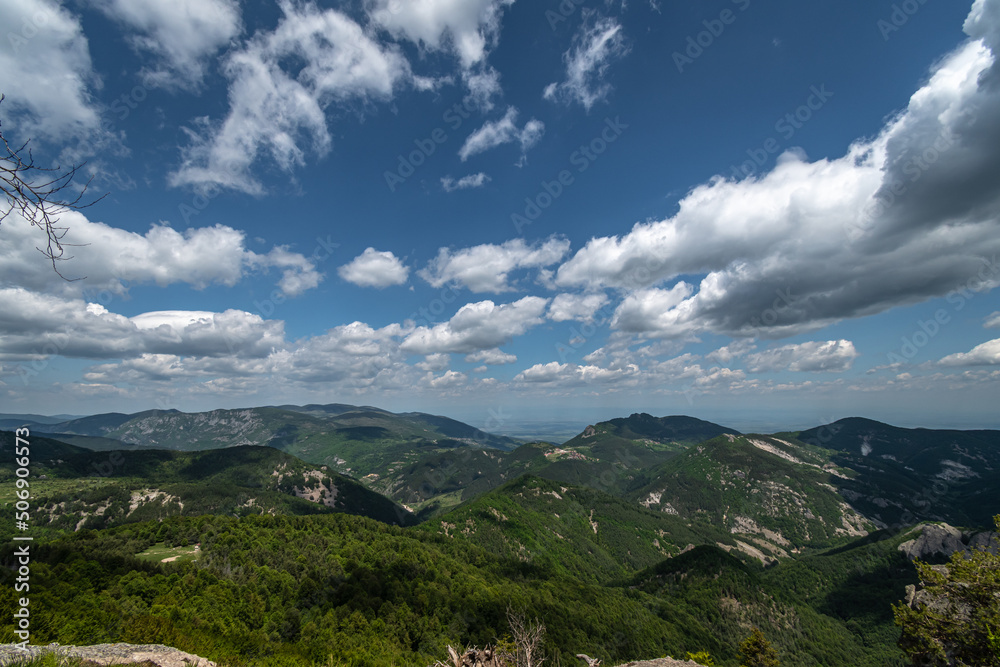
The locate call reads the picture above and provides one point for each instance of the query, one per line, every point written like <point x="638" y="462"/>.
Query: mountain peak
<point x="674" y="428"/>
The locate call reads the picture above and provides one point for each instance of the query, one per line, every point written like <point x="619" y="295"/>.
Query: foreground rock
<point x="109" y="654"/>
<point x="942" y="540"/>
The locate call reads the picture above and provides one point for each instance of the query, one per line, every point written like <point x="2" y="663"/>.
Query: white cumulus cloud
<point x="181" y="34"/>
<point x="478" y="326"/>
<point x="986" y="354"/>
<point x="812" y="243"/>
<point x="653" y="310"/>
<point x="277" y="112"/>
<point x="37" y="326"/>
<point x="832" y="356"/>
<point x="375" y="269"/>
<point x="543" y="373"/>
<point x="434" y="362"/>
<point x="469" y="28"/>
<point x="447" y="380"/>
<point x="494" y="357"/>
<point x="575" y="375"/>
<point x="112" y="259"/>
<point x="579" y="307"/>
<point x="487" y="267"/>
<point x="734" y="350"/>
<point x="354" y="356"/>
<point x="48" y="76"/>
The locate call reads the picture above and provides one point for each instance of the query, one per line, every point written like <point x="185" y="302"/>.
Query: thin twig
<point x="37" y="194"/>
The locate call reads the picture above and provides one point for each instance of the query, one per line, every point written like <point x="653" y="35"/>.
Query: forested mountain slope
<point x="75" y="488"/>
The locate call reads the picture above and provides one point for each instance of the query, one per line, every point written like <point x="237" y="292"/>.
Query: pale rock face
<point x="117" y="654"/>
<point x="944" y="540"/>
<point x="987" y="541"/>
<point x="934" y="539"/>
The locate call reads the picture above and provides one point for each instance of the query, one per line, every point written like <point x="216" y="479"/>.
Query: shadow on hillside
<point x="284" y="436"/>
<point x="867" y="594"/>
<point x="364" y="433"/>
<point x="871" y="538"/>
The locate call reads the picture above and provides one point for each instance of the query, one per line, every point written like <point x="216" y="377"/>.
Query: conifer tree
<point x="756" y="651"/>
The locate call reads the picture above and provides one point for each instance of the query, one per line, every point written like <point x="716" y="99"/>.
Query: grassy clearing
<point x="41" y="488"/>
<point x="161" y="553"/>
<point x="438" y="504"/>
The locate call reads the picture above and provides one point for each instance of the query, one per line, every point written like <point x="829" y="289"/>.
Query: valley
<point x="338" y="534"/>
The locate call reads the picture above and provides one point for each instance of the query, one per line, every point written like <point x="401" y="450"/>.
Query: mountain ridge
<point x="633" y="523"/>
<point x="80" y="488"/>
<point x="892" y="475"/>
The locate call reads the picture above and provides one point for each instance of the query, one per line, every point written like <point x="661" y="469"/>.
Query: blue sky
<point x="775" y="214"/>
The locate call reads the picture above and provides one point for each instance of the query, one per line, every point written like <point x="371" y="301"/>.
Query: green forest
<point x="622" y="546"/>
<point x="346" y="590"/>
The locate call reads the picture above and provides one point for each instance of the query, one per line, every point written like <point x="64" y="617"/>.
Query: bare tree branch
<point x="528" y="638"/>
<point x="39" y="195"/>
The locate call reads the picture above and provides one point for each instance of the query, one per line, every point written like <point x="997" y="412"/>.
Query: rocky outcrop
<point x="934" y="540"/>
<point x="920" y="598"/>
<point x="986" y="541"/>
<point x="942" y="540"/>
<point x="109" y="654"/>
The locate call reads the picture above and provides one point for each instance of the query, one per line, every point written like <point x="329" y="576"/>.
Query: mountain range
<point x="699" y="530"/>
